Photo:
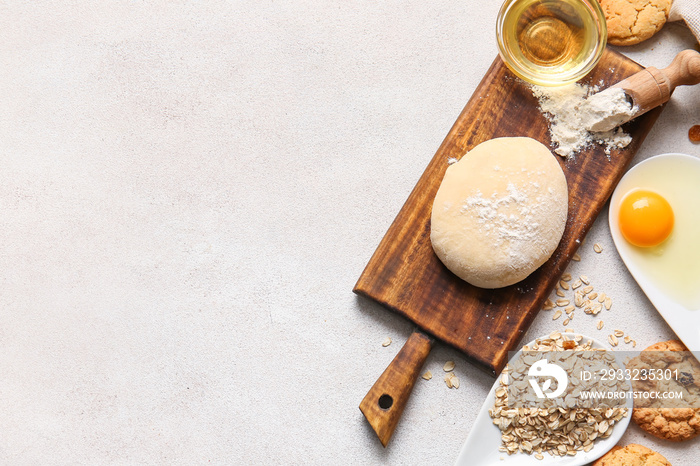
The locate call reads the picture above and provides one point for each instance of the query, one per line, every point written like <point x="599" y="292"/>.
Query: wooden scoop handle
<point x="684" y="69"/>
<point x="652" y="87"/>
<point x="385" y="401"/>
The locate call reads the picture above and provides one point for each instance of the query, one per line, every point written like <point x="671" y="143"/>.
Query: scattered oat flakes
<point x="600" y="325"/>
<point x="634" y="343"/>
<point x="428" y="375"/>
<point x="575" y="284"/>
<point x="562" y="302"/>
<point x="566" y="322"/>
<point x="564" y="285"/>
<point x="560" y="293"/>
<point x="608" y="303"/>
<point x="448" y="381"/>
<point x="597" y="247"/>
<point x="602" y="297"/>
<point x="593" y="295"/>
<point x="576" y="257"/>
<point x="451" y="380"/>
<point x="569" y="330"/>
<point x="570" y="308"/>
<point x="557" y="314"/>
<point x="618" y="333"/>
<point x="585" y="280"/>
<point x="387" y="342"/>
<point x="627" y="339"/>
<point x="566" y="277"/>
<point x="449" y="366"/>
<point x="539" y="456"/>
<point x="613" y="340"/>
<point x="587" y="289"/>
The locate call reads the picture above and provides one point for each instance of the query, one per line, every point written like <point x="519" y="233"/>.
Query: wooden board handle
<point x="385" y="401"/>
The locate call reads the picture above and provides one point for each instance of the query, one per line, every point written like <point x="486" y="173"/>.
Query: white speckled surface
<point x="188" y="194"/>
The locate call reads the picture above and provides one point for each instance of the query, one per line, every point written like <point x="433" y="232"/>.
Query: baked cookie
<point x="631" y="455"/>
<point x="632" y="21"/>
<point x="682" y="421"/>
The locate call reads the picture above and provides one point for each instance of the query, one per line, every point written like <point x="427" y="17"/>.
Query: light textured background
<point x="188" y="192"/>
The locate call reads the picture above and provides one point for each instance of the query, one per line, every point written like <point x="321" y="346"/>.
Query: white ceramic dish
<point x="481" y="446"/>
<point x="684" y="322"/>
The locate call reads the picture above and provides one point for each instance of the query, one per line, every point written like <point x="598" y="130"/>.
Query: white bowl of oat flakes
<point x="561" y="400"/>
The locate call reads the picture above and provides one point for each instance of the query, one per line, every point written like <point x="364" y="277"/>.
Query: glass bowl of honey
<point x="551" y="42"/>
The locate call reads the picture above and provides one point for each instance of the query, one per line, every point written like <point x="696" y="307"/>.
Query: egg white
<point x="674" y="265"/>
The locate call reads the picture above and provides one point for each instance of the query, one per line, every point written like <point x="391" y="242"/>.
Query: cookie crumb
<point x="386" y="342"/>
<point x="694" y="133"/>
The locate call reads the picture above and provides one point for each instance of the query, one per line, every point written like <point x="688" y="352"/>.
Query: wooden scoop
<point x="651" y="87"/>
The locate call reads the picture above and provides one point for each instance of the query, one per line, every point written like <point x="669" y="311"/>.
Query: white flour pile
<point x="571" y="116"/>
<point x="606" y="110"/>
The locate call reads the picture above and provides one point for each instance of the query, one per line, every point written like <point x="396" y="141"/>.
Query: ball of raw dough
<point x="500" y="212"/>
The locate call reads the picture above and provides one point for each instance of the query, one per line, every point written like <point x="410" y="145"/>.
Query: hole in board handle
<point x="385" y="401"/>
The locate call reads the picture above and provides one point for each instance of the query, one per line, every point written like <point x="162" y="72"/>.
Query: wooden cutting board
<point x="406" y="276"/>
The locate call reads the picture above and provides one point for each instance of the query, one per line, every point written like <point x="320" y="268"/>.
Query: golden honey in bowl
<point x="551" y="42"/>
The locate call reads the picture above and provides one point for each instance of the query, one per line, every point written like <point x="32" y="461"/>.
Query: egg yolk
<point x="646" y="218"/>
